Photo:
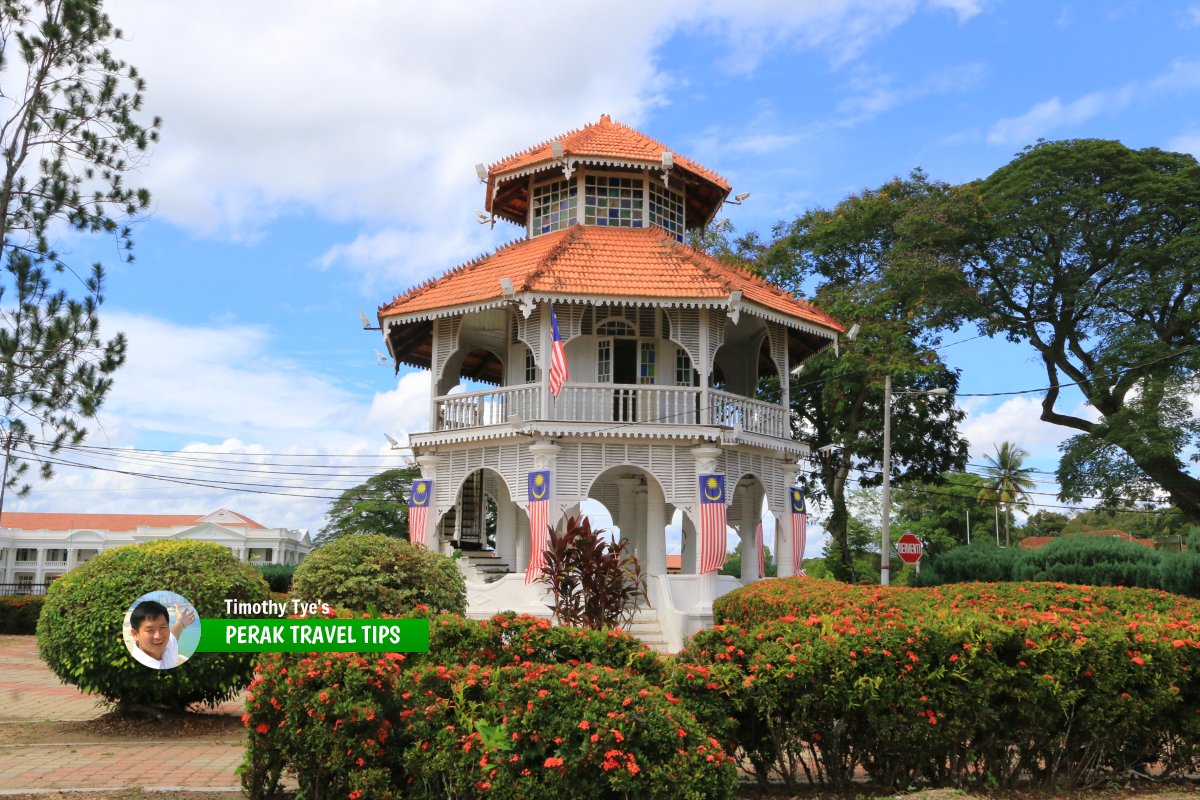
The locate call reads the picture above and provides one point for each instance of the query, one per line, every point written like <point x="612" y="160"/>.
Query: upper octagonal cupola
<point x="605" y="174"/>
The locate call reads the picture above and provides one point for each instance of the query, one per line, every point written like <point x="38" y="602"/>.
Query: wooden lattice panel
<point x="529" y="331"/>
<point x="445" y="332"/>
<point x="716" y="333"/>
<point x="684" y="331"/>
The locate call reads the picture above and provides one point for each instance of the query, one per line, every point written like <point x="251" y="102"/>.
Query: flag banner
<point x="539" y="519"/>
<point x="418" y="511"/>
<point x="762" y="551"/>
<point x="558" y="357"/>
<point x="712" y="523"/>
<point x="799" y="531"/>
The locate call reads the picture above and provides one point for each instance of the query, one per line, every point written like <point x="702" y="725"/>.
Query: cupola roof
<point x="602" y="144"/>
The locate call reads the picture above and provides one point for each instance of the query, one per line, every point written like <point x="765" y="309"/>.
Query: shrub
<point x="981" y="561"/>
<point x="595" y="583"/>
<point x="19" y="614"/>
<point x="80" y="637"/>
<point x="1091" y="560"/>
<point x="984" y="683"/>
<point x="496" y="708"/>
<point x="366" y="571"/>
<point x="1180" y="573"/>
<point x="278" y="576"/>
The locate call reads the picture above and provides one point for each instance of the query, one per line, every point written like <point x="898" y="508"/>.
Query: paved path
<point x="30" y="692"/>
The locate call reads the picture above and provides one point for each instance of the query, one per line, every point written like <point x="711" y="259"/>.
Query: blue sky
<point x="316" y="162"/>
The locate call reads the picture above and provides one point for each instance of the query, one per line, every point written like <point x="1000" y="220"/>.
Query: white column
<point x="786" y="538"/>
<point x="689" y="558"/>
<point x="545" y="456"/>
<point x="626" y="510"/>
<point x="640" y="528"/>
<point x="655" y="562"/>
<point x="507" y="534"/>
<point x="429" y="464"/>
<point x="39" y="574"/>
<point x="747" y="527"/>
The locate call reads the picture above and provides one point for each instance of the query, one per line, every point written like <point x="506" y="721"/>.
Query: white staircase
<point x="647" y="627"/>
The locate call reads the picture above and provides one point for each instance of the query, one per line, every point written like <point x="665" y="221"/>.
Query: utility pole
<point x="885" y="578"/>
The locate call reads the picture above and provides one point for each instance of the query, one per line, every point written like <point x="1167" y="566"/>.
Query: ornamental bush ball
<point x="80" y="629"/>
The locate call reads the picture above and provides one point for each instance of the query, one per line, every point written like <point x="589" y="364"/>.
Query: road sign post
<point x="909" y="548"/>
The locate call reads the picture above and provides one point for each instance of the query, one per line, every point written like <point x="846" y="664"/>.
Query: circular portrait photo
<point x="161" y="629"/>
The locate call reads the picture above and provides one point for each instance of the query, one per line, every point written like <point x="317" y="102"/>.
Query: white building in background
<point x="36" y="548"/>
<point x="679" y="365"/>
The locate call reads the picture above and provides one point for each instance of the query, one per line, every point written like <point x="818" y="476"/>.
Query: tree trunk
<point x="843" y="566"/>
<point x="1183" y="489"/>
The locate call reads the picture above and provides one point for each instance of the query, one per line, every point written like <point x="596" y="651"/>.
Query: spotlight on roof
<point x="384" y="361"/>
<point x="853" y="334"/>
<point x="796" y="370"/>
<point x="556" y="148"/>
<point x="366" y="322"/>
<point x="668" y="160"/>
<point x="506" y="286"/>
<point x="481" y="173"/>
<point x="392" y="441"/>
<point x="483" y="218"/>
<point x="738" y="199"/>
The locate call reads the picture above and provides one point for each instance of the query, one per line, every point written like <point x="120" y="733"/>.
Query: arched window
<point x="616" y="327"/>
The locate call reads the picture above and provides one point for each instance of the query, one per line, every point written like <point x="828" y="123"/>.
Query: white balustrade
<point x="754" y="416"/>
<point x="490" y="407"/>
<point x="606" y="402"/>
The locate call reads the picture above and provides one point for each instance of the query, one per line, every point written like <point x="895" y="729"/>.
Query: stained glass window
<point x="666" y="209"/>
<point x="553" y="207"/>
<point x="614" y="202"/>
<point x="646" y="365"/>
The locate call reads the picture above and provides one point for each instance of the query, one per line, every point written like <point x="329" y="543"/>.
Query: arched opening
<point x="483" y="523"/>
<point x="750" y="516"/>
<point x="634" y="500"/>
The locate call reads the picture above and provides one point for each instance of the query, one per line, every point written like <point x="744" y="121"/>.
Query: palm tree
<point x="1008" y="482"/>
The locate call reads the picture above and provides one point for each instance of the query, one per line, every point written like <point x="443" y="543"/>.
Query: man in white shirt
<point x="155" y="639"/>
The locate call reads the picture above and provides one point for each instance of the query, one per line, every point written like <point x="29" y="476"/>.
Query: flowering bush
<point x="984" y="682"/>
<point x="493" y="709"/>
<point x="19" y="613"/>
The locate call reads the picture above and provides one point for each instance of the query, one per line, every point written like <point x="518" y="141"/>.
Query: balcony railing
<point x="606" y="402"/>
<point x="754" y="416"/>
<point x="491" y="407"/>
<point x="614" y="403"/>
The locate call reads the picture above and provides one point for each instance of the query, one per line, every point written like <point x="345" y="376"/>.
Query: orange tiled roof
<point x="589" y="261"/>
<point x="605" y="139"/>
<point x="36" y="521"/>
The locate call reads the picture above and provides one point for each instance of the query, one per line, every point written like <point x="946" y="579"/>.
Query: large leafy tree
<point x="938" y="513"/>
<point x="378" y="505"/>
<point x="1089" y="251"/>
<point x="70" y="135"/>
<point x="1007" y="482"/>
<point x="861" y="264"/>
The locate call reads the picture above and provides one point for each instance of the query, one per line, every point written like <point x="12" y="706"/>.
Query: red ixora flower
<point x="553" y="761"/>
<point x="263" y="728"/>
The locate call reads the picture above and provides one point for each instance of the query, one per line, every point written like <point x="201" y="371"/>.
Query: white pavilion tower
<point x="667" y="349"/>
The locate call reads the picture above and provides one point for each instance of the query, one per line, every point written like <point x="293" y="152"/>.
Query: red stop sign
<point x="909" y="548"/>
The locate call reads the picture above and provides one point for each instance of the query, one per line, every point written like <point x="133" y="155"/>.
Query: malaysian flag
<point x="418" y="510"/>
<point x="539" y="513"/>
<point x="712" y="523"/>
<point x="558" y="357"/>
<point x="799" y="531"/>
<point x="762" y="551"/>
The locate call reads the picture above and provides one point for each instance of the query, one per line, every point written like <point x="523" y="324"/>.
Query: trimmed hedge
<point x="510" y="707"/>
<point x="277" y="576"/>
<point x="19" y="614"/>
<point x="974" y="683"/>
<point x="1086" y="560"/>
<point x="80" y="637"/>
<point x="371" y="571"/>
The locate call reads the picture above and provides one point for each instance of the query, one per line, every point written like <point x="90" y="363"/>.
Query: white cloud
<point x="1182" y="77"/>
<point x="1186" y="143"/>
<point x="290" y="435"/>
<point x="965" y="9"/>
<point x="1192" y="16"/>
<point x="871" y="93"/>
<point x="1018" y="420"/>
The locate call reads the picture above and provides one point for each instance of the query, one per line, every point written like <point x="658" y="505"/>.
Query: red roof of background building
<point x="37" y="521"/>
<point x="604" y="139"/>
<point x="588" y="261"/>
<point x="1038" y="542"/>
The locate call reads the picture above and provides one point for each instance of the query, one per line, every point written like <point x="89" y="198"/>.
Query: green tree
<point x="1043" y="523"/>
<point x="1163" y="523"/>
<point x="379" y="505"/>
<point x="70" y="136"/>
<point x="858" y="257"/>
<point x="733" y="563"/>
<point x="1007" y="482"/>
<point x="937" y="513"/>
<point x="1088" y="251"/>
